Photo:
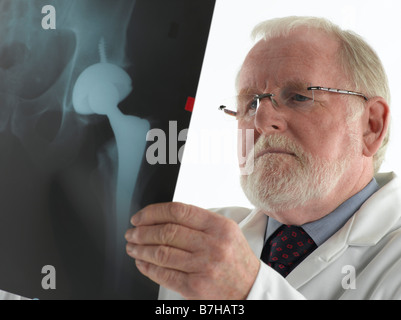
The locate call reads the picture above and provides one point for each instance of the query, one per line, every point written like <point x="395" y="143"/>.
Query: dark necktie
<point x="286" y="248"/>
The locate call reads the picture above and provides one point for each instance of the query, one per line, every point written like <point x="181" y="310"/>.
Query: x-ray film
<point x="82" y="83"/>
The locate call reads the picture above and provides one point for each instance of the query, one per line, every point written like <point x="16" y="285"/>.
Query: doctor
<point x="325" y="224"/>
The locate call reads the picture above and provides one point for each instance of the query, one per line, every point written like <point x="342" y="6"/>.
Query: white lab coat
<point x="360" y="261"/>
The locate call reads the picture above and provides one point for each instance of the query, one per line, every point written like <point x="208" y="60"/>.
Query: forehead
<point x="307" y="55"/>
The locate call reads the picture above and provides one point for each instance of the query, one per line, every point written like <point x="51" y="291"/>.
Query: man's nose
<point x="270" y="118"/>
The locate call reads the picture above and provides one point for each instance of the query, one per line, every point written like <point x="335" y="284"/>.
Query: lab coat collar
<point x="253" y="227"/>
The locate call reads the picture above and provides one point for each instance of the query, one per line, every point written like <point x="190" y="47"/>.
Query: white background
<point x="209" y="176"/>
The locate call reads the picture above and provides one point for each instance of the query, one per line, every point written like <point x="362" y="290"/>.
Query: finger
<point x="173" y="235"/>
<point x="171" y="279"/>
<point x="163" y="256"/>
<point x="174" y="212"/>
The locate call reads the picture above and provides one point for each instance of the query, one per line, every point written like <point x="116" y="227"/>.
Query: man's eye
<point x="300" y="98"/>
<point x="297" y="100"/>
<point x="254" y="104"/>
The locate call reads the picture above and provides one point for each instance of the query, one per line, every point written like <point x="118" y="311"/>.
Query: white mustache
<point x="277" y="144"/>
<point x="274" y="144"/>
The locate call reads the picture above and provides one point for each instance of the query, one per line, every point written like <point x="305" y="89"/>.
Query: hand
<point x="195" y="252"/>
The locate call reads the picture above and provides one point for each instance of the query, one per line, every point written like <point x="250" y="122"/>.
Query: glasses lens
<point x="293" y="96"/>
<point x="246" y="105"/>
<point x="296" y="96"/>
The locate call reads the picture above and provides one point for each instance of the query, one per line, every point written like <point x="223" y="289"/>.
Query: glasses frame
<point x="339" y="91"/>
<point x="259" y="97"/>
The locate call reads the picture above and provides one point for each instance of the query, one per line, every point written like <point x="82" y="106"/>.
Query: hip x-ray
<point x="82" y="83"/>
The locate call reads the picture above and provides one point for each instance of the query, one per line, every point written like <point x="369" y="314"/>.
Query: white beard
<point x="280" y="182"/>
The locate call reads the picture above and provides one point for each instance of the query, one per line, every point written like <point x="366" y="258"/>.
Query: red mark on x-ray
<point x="189" y="106"/>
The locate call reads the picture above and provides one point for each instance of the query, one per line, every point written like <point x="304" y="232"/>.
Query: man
<point x="311" y="176"/>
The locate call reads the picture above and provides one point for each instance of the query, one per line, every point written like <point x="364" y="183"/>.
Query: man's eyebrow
<point x="248" y="90"/>
<point x="296" y="83"/>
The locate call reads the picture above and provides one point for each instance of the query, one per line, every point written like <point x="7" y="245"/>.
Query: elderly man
<point x="325" y="224"/>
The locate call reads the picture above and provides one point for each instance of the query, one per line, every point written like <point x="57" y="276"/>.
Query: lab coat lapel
<point x="253" y="227"/>
<point x="366" y="228"/>
<point x="322" y="257"/>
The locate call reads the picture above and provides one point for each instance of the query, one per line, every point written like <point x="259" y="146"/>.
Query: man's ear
<point x="376" y="121"/>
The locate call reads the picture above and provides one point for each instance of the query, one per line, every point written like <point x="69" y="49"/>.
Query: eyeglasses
<point x="291" y="96"/>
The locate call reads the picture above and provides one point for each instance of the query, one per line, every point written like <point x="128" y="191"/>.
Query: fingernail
<point x="136" y="218"/>
<point x="131" y="248"/>
<point x="128" y="234"/>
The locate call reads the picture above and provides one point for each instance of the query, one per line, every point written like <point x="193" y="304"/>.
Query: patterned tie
<point x="286" y="248"/>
